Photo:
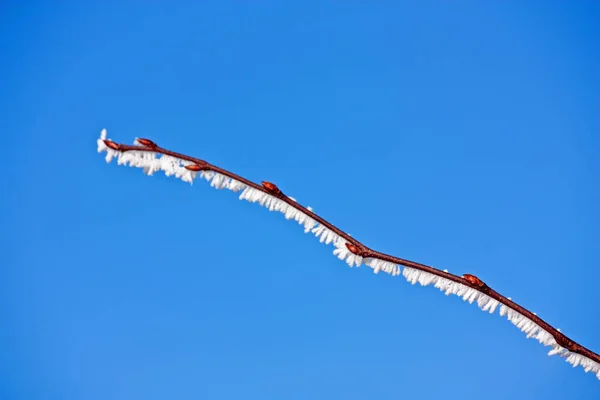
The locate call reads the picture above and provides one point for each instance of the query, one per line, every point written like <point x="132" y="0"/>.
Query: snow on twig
<point x="144" y="154"/>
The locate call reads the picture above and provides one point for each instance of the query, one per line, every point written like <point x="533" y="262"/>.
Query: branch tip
<point x="111" y="144"/>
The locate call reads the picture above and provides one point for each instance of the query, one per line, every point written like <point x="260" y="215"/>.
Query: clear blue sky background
<point x="461" y="135"/>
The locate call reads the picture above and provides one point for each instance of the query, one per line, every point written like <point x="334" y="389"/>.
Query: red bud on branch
<point x="353" y="249"/>
<point x="146" y="142"/>
<point x="271" y="187"/>
<point x="473" y="280"/>
<point x="111" y="144"/>
<point x="194" y="167"/>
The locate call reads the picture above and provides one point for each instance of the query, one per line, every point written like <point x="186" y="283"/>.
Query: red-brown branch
<point x="362" y="250"/>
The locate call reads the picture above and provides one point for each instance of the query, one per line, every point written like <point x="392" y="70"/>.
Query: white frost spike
<point x="486" y="303"/>
<point x="259" y="197"/>
<point x="291" y="212"/>
<point x="576" y="359"/>
<point x="471" y="295"/>
<point x="444" y="284"/>
<point x="381" y="265"/>
<point x="414" y="275"/>
<point x="152" y="164"/>
<point x="139" y="159"/>
<point x="219" y="181"/>
<point x="148" y="161"/>
<point x="318" y="230"/>
<point x="185" y="174"/>
<point x="235" y="186"/>
<point x="325" y="235"/>
<point x="307" y="221"/>
<point x="533" y="330"/>
<point x="100" y="142"/>
<point x="300" y="217"/>
<point x="274" y="204"/>
<point x="208" y="175"/>
<point x="110" y="153"/>
<point x="249" y="194"/>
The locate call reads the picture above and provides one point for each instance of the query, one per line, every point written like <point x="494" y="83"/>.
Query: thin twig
<point x="360" y="250"/>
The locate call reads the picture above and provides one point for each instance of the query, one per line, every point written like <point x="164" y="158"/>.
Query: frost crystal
<point x="148" y="161"/>
<point x="381" y="265"/>
<point x="152" y="162"/>
<point x="486" y="303"/>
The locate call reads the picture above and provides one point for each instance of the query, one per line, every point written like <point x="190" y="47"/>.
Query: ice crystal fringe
<point x="381" y="265"/>
<point x="274" y="204"/>
<point x="148" y="161"/>
<point x="152" y="162"/>
<point x="486" y="303"/>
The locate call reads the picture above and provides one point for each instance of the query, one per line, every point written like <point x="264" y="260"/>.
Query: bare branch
<point x="144" y="154"/>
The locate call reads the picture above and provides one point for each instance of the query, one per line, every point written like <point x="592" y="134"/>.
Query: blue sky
<point x="460" y="135"/>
